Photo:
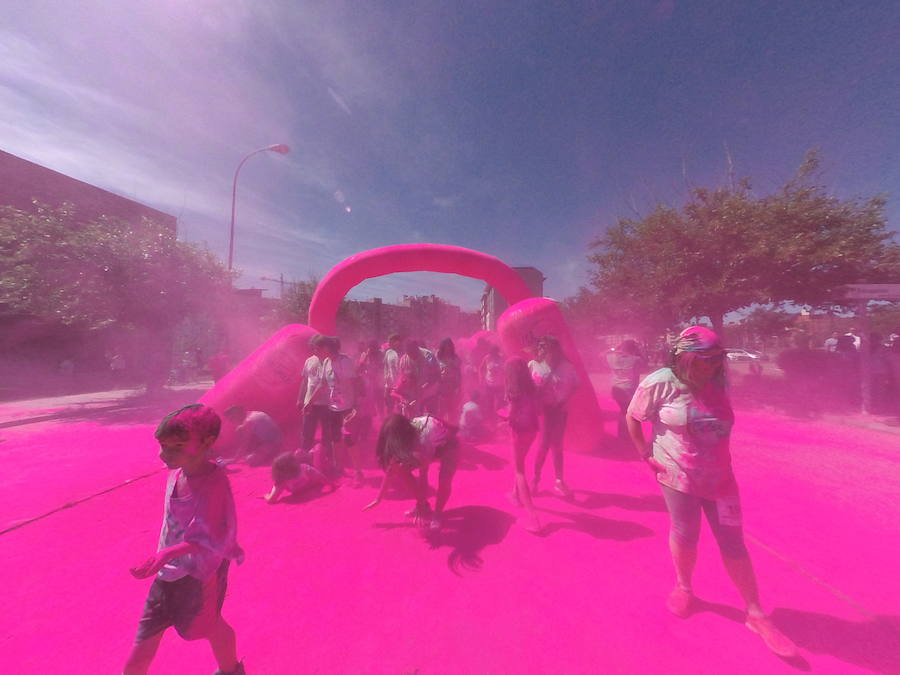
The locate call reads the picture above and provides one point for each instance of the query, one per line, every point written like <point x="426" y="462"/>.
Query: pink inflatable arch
<point x="410" y="258"/>
<point x="269" y="378"/>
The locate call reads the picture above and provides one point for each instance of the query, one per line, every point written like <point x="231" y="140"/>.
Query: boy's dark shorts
<point x="191" y="605"/>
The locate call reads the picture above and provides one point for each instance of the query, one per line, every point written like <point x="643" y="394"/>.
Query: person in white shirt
<point x="556" y="381"/>
<point x="689" y="453"/>
<point x="342" y="382"/>
<point x="391" y="371"/>
<point x="313" y="402"/>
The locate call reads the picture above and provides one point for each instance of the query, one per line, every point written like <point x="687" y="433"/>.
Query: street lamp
<point x="281" y="149"/>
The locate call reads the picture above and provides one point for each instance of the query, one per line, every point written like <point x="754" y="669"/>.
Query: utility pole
<point x="280" y="281"/>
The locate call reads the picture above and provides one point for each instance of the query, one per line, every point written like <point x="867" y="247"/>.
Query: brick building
<point x="23" y="182"/>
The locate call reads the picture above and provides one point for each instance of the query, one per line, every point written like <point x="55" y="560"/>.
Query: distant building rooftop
<point x="22" y="181"/>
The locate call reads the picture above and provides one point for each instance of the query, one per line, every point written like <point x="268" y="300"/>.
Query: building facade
<point x="493" y="304"/>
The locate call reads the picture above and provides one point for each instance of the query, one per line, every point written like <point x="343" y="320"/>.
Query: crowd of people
<point x="425" y="403"/>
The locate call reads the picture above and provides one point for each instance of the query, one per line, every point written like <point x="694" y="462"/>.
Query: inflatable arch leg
<point x="269" y="379"/>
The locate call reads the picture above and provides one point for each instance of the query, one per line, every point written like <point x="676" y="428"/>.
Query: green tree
<point x="108" y="272"/>
<point x="727" y="249"/>
<point x="293" y="307"/>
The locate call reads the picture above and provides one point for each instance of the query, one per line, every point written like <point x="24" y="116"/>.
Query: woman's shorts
<point x="191" y="605"/>
<point x="723" y="516"/>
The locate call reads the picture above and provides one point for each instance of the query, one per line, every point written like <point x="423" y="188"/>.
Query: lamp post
<point x="281" y="149"/>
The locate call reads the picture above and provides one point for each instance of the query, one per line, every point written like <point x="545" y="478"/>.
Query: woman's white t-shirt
<point x="691" y="433"/>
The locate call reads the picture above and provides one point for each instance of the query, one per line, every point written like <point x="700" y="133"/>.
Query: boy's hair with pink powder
<point x="192" y="420"/>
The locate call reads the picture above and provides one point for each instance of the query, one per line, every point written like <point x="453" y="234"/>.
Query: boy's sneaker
<point x="239" y="670"/>
<point x="680" y="602"/>
<point x="561" y="488"/>
<point x="775" y="640"/>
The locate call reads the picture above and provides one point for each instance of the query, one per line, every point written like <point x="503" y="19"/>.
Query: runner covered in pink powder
<point x="691" y="414"/>
<point x="522" y="417"/>
<point x="405" y="445"/>
<point x="197" y="542"/>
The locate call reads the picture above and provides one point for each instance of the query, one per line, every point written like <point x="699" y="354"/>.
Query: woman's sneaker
<point x="775" y="640"/>
<point x="562" y="489"/>
<point x="680" y="602"/>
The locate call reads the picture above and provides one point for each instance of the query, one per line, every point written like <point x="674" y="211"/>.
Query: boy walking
<point x="196" y="545"/>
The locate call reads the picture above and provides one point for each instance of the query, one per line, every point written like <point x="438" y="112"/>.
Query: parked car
<point x="744" y="355"/>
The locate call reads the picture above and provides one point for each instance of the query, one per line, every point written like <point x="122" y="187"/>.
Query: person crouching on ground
<point x="257" y="437"/>
<point x="405" y="445"/>
<point x="290" y="473"/>
<point x="197" y="542"/>
<point x="689" y="454"/>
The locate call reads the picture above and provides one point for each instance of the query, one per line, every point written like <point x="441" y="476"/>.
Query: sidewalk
<point x="30" y="411"/>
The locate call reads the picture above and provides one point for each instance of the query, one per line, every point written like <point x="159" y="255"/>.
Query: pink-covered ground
<point x="327" y="588"/>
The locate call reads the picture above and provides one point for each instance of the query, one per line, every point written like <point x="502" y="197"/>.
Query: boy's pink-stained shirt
<point x="205" y="515"/>
<point x="691" y="434"/>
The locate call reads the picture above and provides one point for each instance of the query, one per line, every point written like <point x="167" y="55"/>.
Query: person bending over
<point x="257" y="436"/>
<point x="405" y="446"/>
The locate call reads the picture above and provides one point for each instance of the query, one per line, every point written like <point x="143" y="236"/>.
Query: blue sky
<point x="522" y="129"/>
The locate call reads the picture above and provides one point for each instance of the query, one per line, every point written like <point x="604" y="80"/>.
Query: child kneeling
<point x="290" y="473"/>
<point x="196" y="544"/>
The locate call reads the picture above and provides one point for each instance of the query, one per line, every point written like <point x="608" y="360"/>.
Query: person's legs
<point x="325" y="422"/>
<point x="543" y="449"/>
<point x="223" y="641"/>
<point x="724" y="518"/>
<point x="448" y="462"/>
<point x="308" y="430"/>
<point x="142" y="654"/>
<point x="159" y="609"/>
<point x="558" y="427"/>
<point x="684" y="512"/>
<point x="622" y="397"/>
<point x="521" y="443"/>
<point x="203" y="620"/>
